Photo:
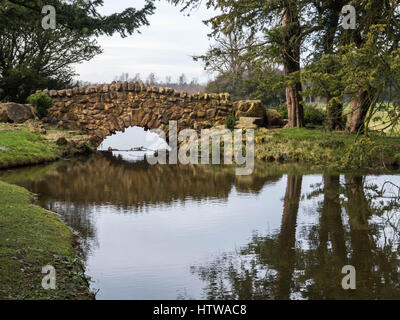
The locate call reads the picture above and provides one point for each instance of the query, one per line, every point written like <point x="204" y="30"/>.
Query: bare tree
<point x="168" y="80"/>
<point x="182" y="79"/>
<point x="137" y="78"/>
<point x="151" y="79"/>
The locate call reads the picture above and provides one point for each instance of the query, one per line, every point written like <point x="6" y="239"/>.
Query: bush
<point x="41" y="102"/>
<point x="230" y="122"/>
<point x="282" y="109"/>
<point x="313" y="116"/>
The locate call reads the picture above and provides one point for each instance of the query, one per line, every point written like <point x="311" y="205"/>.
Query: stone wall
<point x="102" y="110"/>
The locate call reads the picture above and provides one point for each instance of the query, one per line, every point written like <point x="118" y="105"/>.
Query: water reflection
<point x="307" y="263"/>
<point x="172" y="231"/>
<point x="104" y="179"/>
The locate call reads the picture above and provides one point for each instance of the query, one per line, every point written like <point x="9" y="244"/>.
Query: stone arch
<point x="101" y="110"/>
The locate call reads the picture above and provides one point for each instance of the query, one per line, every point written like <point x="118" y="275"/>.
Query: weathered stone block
<point x="99" y="106"/>
<point x="249" y="108"/>
<point x="211" y="113"/>
<point x="14" y="112"/>
<point x="106" y="88"/>
<point x="201" y="114"/>
<point x="91" y="89"/>
<point x="118" y="86"/>
<point x="274" y="118"/>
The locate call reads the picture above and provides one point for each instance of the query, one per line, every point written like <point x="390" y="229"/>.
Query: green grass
<point x="30" y="238"/>
<point x="332" y="150"/>
<point x="19" y="146"/>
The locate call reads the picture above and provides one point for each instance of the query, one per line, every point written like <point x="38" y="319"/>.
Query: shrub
<point x="282" y="109"/>
<point x="41" y="102"/>
<point x="313" y="116"/>
<point x="363" y="153"/>
<point x="230" y="122"/>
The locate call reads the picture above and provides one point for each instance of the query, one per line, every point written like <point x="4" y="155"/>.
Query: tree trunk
<point x="360" y="104"/>
<point x="295" y="106"/>
<point x="291" y="62"/>
<point x="334" y="112"/>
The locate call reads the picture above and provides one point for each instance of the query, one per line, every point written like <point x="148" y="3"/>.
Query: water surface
<point x="183" y="232"/>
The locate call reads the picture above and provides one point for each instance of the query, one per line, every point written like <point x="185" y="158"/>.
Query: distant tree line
<point x="180" y="84"/>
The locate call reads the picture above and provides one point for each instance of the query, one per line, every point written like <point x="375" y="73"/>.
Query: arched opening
<point x="133" y="144"/>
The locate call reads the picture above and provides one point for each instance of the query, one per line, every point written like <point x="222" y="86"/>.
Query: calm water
<point x="182" y="232"/>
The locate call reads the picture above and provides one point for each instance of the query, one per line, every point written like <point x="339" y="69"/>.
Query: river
<point x="201" y="232"/>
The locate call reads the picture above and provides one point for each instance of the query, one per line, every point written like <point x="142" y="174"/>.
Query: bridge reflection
<point x="106" y="180"/>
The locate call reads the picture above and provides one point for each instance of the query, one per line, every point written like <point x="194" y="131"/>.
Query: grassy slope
<point x="30" y="238"/>
<point x="335" y="150"/>
<point x="24" y="148"/>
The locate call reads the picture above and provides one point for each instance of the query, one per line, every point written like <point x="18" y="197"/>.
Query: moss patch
<point x="31" y="238"/>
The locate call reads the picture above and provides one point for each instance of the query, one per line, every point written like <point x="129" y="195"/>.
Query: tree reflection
<point x="264" y="269"/>
<point x="287" y="237"/>
<point x="349" y="231"/>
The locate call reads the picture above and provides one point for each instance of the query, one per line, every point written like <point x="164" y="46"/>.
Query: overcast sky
<point x="164" y="47"/>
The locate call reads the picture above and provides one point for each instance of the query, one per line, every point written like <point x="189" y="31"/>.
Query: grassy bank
<point x="334" y="150"/>
<point x="31" y="238"/>
<point x="19" y="146"/>
<point x="34" y="143"/>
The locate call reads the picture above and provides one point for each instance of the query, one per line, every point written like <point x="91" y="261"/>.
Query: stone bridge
<point x="101" y="110"/>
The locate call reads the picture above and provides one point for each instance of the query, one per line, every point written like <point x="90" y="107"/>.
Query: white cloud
<point x="164" y="47"/>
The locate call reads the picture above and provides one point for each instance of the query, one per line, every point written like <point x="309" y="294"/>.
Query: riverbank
<point x="328" y="150"/>
<point x="31" y="143"/>
<point x="31" y="238"/>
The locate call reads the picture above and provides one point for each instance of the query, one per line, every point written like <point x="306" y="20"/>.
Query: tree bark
<point x="291" y="62"/>
<point x="360" y="104"/>
<point x="295" y="106"/>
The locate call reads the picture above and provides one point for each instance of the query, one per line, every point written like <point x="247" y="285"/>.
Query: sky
<point x="164" y="47"/>
<point x="134" y="137"/>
